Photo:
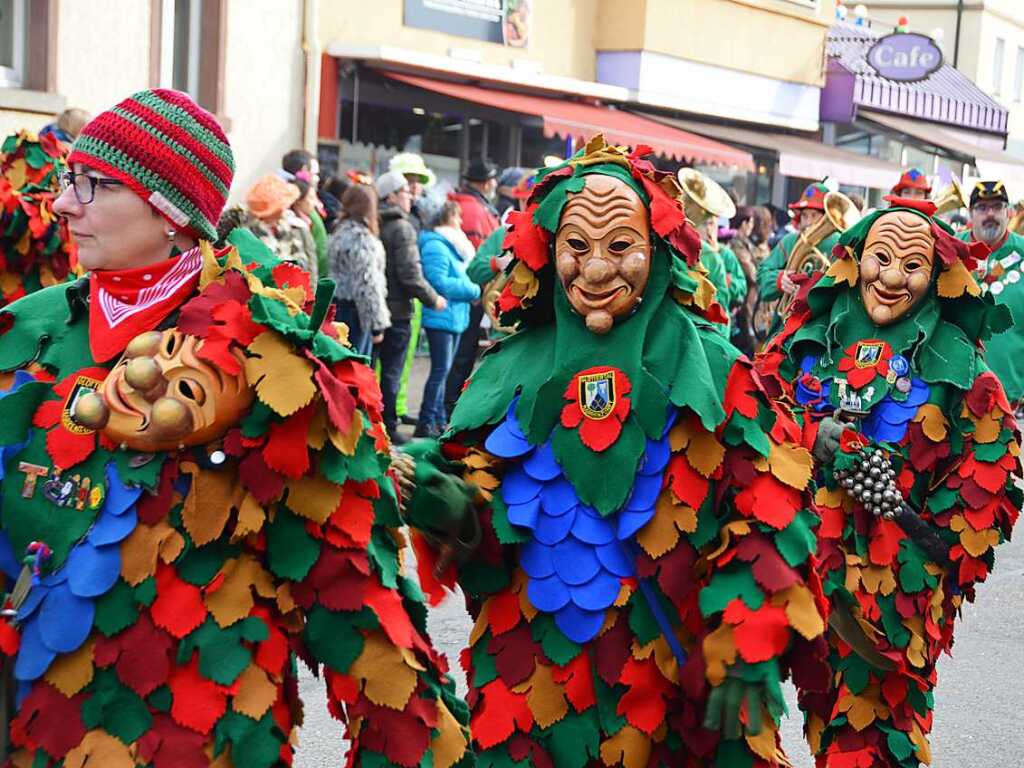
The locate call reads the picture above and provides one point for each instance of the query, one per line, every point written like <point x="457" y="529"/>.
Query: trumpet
<point x="1016" y="224"/>
<point x="950" y="199"/>
<point x="703" y="198"/>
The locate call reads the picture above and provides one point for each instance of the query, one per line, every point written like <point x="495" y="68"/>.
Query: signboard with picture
<point x="493" y="21"/>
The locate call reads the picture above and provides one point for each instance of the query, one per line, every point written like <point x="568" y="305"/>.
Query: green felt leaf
<point x="367" y="463"/>
<point x="414" y="602"/>
<point x="897" y="634"/>
<point x="274" y="314"/>
<point x="261" y="745"/>
<point x="941" y="499"/>
<point x="160" y="699"/>
<point x="384" y="556"/>
<point x="333" y="464"/>
<point x="602" y="480"/>
<point x="232" y="728"/>
<point x="797" y="541"/>
<point x="728" y="584"/>
<point x="116" y="610"/>
<point x="258" y="420"/>
<point x="550" y="210"/>
<point x="145" y="592"/>
<point x="990" y="452"/>
<point x="503" y="529"/>
<point x="485" y="668"/>
<point x="707" y="524"/>
<point x="575" y="741"/>
<point x="222" y="656"/>
<point x="479" y="579"/>
<point x="857" y="673"/>
<point x="385" y="508"/>
<point x="198" y="565"/>
<point x="641" y="620"/>
<point x="332" y="636"/>
<point x="733" y="754"/>
<point x="608" y="697"/>
<point x="116" y="709"/>
<point x="147" y="475"/>
<point x="498" y="758"/>
<point x="253" y="628"/>
<point x="899" y="743"/>
<point x="556" y="646"/>
<point x="913" y="576"/>
<point x="291" y="551"/>
<point x="743" y="431"/>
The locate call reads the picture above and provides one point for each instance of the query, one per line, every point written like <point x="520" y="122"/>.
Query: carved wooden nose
<point x="597" y="270"/>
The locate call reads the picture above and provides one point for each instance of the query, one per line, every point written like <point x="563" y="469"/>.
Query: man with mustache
<point x="1000" y="275"/>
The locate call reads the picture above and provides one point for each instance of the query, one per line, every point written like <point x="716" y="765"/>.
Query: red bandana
<point x="125" y="303"/>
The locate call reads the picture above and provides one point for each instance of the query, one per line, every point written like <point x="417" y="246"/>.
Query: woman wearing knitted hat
<point x="160" y="627"/>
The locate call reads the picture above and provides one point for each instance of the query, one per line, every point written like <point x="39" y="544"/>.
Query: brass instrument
<point x="952" y="198"/>
<point x="703" y="198"/>
<point x="489" y="296"/>
<point x="1016" y="224"/>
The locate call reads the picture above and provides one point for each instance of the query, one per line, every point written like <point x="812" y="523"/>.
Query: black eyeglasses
<point x="85" y="185"/>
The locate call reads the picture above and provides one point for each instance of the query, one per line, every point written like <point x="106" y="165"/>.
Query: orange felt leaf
<point x="388" y="680"/>
<point x="843" y="271"/>
<point x="71" y="672"/>
<point x="314" y="498"/>
<point x="760" y="635"/>
<point x="100" y="750"/>
<point x="255" y="693"/>
<point x="282" y="378"/>
<point x="449" y="745"/>
<point x="140" y="550"/>
<point x="232" y="600"/>
<point x="544" y="696"/>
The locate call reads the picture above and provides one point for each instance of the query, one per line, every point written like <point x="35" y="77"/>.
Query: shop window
<point x="13" y="42"/>
<point x="1018" y="77"/>
<point x="998" y="54"/>
<point x="187" y="43"/>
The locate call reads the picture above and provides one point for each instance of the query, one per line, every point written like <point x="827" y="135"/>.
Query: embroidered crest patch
<point x="868" y="353"/>
<point x="83" y="385"/>
<point x="597" y="394"/>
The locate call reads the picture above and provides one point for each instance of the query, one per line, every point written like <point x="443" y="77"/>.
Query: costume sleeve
<point x="370" y="300"/>
<point x="738" y="288"/>
<point x="768" y="272"/>
<point x="480" y="269"/>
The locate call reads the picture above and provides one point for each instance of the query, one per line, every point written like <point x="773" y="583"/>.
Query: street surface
<point x="978" y="700"/>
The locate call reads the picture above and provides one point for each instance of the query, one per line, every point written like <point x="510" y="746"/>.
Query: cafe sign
<point x="905" y="57"/>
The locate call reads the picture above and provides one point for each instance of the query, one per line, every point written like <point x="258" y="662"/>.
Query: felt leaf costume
<point x="36" y="249"/>
<point x="643" y="506"/>
<point x="178" y="586"/>
<point x="918" y="388"/>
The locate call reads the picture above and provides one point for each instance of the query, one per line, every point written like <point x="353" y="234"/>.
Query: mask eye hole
<point x="577" y="244"/>
<point x="170" y="345"/>
<point x="619" y="246"/>
<point x="883" y="258"/>
<point x="190" y="390"/>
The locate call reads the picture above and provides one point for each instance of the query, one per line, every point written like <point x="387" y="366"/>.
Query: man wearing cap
<point x="913" y="185"/>
<point x="773" y="281"/>
<point x="418" y="176"/>
<point x="405" y="283"/>
<point x="479" y="220"/>
<point x="1000" y="275"/>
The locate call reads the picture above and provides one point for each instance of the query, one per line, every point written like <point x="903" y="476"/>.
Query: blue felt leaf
<point x="632" y="521"/>
<point x="645" y="492"/>
<point x="591" y="528"/>
<point x="559" y="497"/>
<point x="32" y="601"/>
<point x="110" y="529"/>
<point x="541" y="464"/>
<point x="579" y="625"/>
<point x="518" y="487"/>
<point x="511" y="420"/>
<point x="34" y="658"/>
<point x="536" y="559"/>
<point x="614" y="559"/>
<point x="597" y="594"/>
<point x="504" y="443"/>
<point x="655" y="457"/>
<point x="524" y="514"/>
<point x="575" y="562"/>
<point x="93" y="570"/>
<point x="119" y="497"/>
<point x="548" y="594"/>
<point x="551" y="530"/>
<point x="65" y="619"/>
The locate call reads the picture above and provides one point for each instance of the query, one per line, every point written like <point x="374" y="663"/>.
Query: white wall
<point x="263" y="83"/>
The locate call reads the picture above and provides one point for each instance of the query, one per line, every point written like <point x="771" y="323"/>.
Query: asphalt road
<point x="978" y="699"/>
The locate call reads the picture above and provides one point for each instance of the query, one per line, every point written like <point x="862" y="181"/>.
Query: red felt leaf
<point x="142" y="654"/>
<point x="290" y="275"/>
<point x="689" y="485"/>
<point x="769" y="501"/>
<point x="48" y="413"/>
<point x="578" y="681"/>
<point x="600" y="435"/>
<point x="286" y="449"/>
<point x="51" y="720"/>
<point x="986" y="394"/>
<point x="272" y="654"/>
<point x="153" y="507"/>
<point x="341" y="406"/>
<point x="499" y="714"/>
<point x="67" y="449"/>
<point x="739" y="392"/>
<point x="833" y="522"/>
<point x="515" y="655"/>
<point x="264" y="484"/>
<point x="884" y="545"/>
<point x="394" y="620"/>
<point x="433" y="586"/>
<point x="643" y="703"/>
<point x="178" y="607"/>
<point x="354" y="517"/>
<point x="402" y="737"/>
<point x="769" y="569"/>
<point x="197" y="703"/>
<point x="234" y="329"/>
<point x="10" y="640"/>
<point x="361" y="378"/>
<point x="338" y="578"/>
<point x="341" y="687"/>
<point x="666" y="214"/>
<point x="168" y="745"/>
<point x="528" y="242"/>
<point x="503" y="612"/>
<point x="759" y="635"/>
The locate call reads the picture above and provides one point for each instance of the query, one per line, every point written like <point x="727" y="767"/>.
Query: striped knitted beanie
<point x="169" y="150"/>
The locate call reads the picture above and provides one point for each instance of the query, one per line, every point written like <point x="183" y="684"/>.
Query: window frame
<point x="17" y="76"/>
<point x="207" y="34"/>
<point x="998" y="59"/>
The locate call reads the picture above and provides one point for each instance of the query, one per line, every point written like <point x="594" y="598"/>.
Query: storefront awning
<point x="804" y="157"/>
<point x="581" y="121"/>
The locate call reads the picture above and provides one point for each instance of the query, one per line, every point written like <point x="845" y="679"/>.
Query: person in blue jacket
<point x="444" y="253"/>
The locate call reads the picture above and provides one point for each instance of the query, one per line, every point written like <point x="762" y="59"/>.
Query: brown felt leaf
<point x="955" y="279"/>
<point x="835" y="497"/>
<point x="764" y="745"/>
<point x="792" y="464"/>
<point x="864" y="709"/>
<point x="208" y="504"/>
<point x="232" y="600"/>
<point x="314" y="498"/>
<point x="388" y="681"/>
<point x="661" y="534"/>
<point x="844" y="271"/>
<point x="545" y="698"/>
<point x="801" y="610"/>
<point x="915" y="650"/>
<point x="346" y="441"/>
<point x="933" y="422"/>
<point x="140" y="550"/>
<point x="316" y="436"/>
<point x="719" y="653"/>
<point x="977" y="543"/>
<point x="283" y="379"/>
<point x="449" y="745"/>
<point x="630" y="748"/>
<point x="256" y="693"/>
<point x="251" y="517"/>
<point x="71" y="672"/>
<point x="704" y="452"/>
<point x="100" y="750"/>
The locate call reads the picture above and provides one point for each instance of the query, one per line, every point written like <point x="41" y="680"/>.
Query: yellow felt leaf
<point x="211" y="271"/>
<point x="915" y="650"/>
<point x="256" y="693"/>
<point x="171" y="547"/>
<point x="679" y="436"/>
<point x="283" y="379"/>
<point x="316" y="436"/>
<point x="814" y="727"/>
<point x="100" y="750"/>
<point x="283" y="598"/>
<point x="346" y="441"/>
<point x="251" y="517"/>
<point x="481" y="625"/>
<point x="735" y="528"/>
<point x="977" y="543"/>
<point x="387" y="680"/>
<point x="825" y="497"/>
<point x="449" y="745"/>
<point x="864" y="709"/>
<point x="719" y="653"/>
<point x="933" y="422"/>
<point x="955" y="279"/>
<point x="705" y="453"/>
<point x="314" y="498"/>
<point x="139" y="551"/>
<point x="764" y="745"/>
<point x="208" y="504"/>
<point x="844" y="271"/>
<point x="667" y="662"/>
<point x="545" y="698"/>
<point x="17" y="173"/>
<point x="792" y="464"/>
<point x="630" y="748"/>
<point x="232" y="600"/>
<point x="661" y="533"/>
<point x="801" y="610"/>
<point x="71" y="672"/>
<point x="922" y="748"/>
<point x="878" y="579"/>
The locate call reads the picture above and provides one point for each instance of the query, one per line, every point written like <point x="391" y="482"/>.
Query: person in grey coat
<point x="405" y="283"/>
<point x="355" y="257"/>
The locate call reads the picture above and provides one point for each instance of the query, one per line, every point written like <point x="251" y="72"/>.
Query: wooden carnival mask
<point x="161" y="396"/>
<point x="603" y="251"/>
<point x="896" y="266"/>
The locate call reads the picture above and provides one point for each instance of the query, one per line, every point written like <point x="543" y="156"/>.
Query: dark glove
<point x="826" y="444"/>
<point x="725" y="702"/>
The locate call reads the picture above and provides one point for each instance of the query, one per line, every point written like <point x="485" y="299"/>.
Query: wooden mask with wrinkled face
<point x="603" y="251"/>
<point x="896" y="266"/>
